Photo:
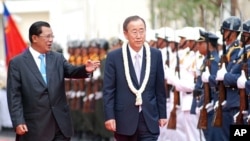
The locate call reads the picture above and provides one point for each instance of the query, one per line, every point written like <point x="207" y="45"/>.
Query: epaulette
<point x="240" y="59"/>
<point x="231" y="49"/>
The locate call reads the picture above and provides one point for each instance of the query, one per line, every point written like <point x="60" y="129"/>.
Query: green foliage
<point x="189" y="12"/>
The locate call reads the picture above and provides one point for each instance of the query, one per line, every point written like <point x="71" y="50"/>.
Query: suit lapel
<point x="49" y="66"/>
<point x="132" y="70"/>
<point x="143" y="66"/>
<point x="30" y="62"/>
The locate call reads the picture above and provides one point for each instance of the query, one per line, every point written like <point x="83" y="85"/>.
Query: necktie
<point x="43" y="67"/>
<point x="137" y="67"/>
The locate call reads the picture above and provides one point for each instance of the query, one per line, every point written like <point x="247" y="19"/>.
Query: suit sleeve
<point x="109" y="88"/>
<point x="14" y="95"/>
<point x="71" y="71"/>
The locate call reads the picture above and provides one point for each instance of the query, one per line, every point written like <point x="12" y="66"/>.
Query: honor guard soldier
<point x="207" y="85"/>
<point x="92" y="83"/>
<point x="151" y="38"/>
<point x="243" y="82"/>
<point x="104" y="47"/>
<point x="75" y="95"/>
<point x="68" y="81"/>
<point x="173" y="41"/>
<point x="115" y="43"/>
<point x="71" y="59"/>
<point x="162" y="45"/>
<point x="226" y="75"/>
<point x="100" y="131"/>
<point x="82" y="83"/>
<point x="186" y="128"/>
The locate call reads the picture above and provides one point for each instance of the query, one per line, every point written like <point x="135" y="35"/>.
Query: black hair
<point x="36" y="28"/>
<point x="132" y="18"/>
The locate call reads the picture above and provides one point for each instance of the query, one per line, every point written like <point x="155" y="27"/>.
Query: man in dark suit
<point x="37" y="101"/>
<point x="135" y="105"/>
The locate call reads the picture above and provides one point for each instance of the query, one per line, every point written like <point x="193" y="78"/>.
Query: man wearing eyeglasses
<point x="35" y="88"/>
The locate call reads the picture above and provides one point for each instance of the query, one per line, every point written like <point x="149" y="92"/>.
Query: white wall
<point x="76" y="19"/>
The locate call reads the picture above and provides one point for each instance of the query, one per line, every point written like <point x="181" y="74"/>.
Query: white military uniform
<point x="186" y="123"/>
<point x="5" y="120"/>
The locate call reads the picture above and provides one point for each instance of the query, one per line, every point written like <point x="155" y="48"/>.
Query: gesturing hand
<point x="92" y="65"/>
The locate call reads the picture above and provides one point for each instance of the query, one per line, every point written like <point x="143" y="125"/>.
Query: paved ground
<point x="9" y="135"/>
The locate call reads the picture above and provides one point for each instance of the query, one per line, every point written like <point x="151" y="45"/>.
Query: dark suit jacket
<point x="119" y="101"/>
<point x="33" y="102"/>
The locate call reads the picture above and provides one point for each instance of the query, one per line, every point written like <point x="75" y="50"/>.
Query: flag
<point x="13" y="41"/>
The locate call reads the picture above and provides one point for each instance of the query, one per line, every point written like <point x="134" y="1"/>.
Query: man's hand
<point x="92" y="65"/>
<point x="110" y="125"/>
<point x="162" y="122"/>
<point x="21" y="129"/>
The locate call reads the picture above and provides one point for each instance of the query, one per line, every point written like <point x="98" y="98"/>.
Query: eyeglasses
<point x="47" y="36"/>
<point x="135" y="33"/>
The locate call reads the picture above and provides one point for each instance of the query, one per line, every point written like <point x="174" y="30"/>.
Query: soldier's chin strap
<point x="182" y="45"/>
<point x="158" y="45"/>
<point x="243" y="40"/>
<point x="228" y="36"/>
<point x="194" y="45"/>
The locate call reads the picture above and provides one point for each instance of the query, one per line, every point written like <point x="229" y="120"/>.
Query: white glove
<point x="210" y="106"/>
<point x="166" y="72"/>
<point x="198" y="72"/>
<point x="178" y="84"/>
<point x="241" y="80"/>
<point x="205" y="75"/>
<point x="96" y="74"/>
<point x="221" y="73"/>
<point x="248" y="118"/>
<point x="169" y="75"/>
<point x="198" y="110"/>
<point x="174" y="79"/>
<point x="178" y="109"/>
<point x="222" y="104"/>
<point x="245" y="115"/>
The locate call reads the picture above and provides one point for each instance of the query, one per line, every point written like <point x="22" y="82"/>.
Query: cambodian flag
<point x="13" y="41"/>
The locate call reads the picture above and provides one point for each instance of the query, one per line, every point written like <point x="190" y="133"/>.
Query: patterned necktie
<point x="43" y="67"/>
<point x="137" y="67"/>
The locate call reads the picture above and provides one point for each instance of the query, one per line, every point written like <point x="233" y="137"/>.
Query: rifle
<point x="217" y="119"/>
<point x="173" y="117"/>
<point x="168" y="86"/>
<point x="243" y="96"/>
<point x="203" y="121"/>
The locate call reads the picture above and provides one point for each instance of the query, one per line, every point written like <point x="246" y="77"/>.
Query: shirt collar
<point x="133" y="53"/>
<point x="34" y="53"/>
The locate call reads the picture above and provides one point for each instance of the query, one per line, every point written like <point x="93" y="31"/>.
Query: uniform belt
<point x="232" y="87"/>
